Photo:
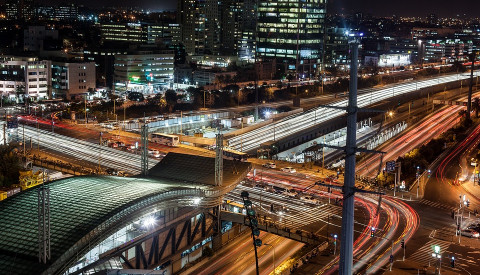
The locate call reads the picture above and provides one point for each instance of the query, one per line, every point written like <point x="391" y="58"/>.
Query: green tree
<point x="171" y="97"/>
<point x="20" y="92"/>
<point x="9" y="165"/>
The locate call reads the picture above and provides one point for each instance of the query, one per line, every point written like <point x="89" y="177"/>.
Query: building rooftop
<point x="84" y="210"/>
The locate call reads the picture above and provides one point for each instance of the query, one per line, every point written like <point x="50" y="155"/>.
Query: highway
<point x="295" y="123"/>
<point x="395" y="221"/>
<point x="238" y="257"/>
<point x="432" y="126"/>
<point x="77" y="149"/>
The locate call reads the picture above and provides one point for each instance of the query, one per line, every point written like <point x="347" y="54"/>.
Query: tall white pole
<point x="346" y="245"/>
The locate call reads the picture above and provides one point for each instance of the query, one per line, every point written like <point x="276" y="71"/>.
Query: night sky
<point x="422" y="8"/>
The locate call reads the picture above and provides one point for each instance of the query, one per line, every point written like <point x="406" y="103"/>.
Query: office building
<point x="22" y="77"/>
<point x="144" y="71"/>
<point x="292" y="33"/>
<point x="39" y="38"/>
<point x="20" y="9"/>
<point x="218" y="27"/>
<point x="200" y="22"/>
<point x="159" y="33"/>
<point x="72" y="80"/>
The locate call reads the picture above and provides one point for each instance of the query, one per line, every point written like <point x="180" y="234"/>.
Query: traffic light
<point x="468" y="203"/>
<point x="391" y="258"/>
<point x="452" y="262"/>
<point x="429" y="173"/>
<point x="372" y="232"/>
<point x="403" y="243"/>
<point x="271" y="208"/>
<point x="329" y="190"/>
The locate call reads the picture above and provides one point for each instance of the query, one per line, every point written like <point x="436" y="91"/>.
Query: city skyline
<point x="375" y="7"/>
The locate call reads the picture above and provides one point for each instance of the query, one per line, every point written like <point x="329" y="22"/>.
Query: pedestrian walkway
<point x="423" y="256"/>
<point x="473" y="189"/>
<point x="437" y="205"/>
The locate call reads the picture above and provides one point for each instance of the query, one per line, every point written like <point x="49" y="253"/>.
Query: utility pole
<point x="5" y="133"/>
<point x="217" y="239"/>
<point x="144" y="157"/>
<point x="346" y="246"/>
<point x="23" y="137"/>
<point x="43" y="223"/>
<point x="219" y="160"/>
<point x="255" y="66"/>
<point x="85" y="110"/>
<point x="470" y="87"/>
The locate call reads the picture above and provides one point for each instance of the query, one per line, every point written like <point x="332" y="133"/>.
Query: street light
<point x="335" y="243"/>
<point x="436" y="254"/>
<point x="273" y="256"/>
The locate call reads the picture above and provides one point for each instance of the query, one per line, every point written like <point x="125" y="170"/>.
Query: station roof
<point x="77" y="206"/>
<point x="198" y="169"/>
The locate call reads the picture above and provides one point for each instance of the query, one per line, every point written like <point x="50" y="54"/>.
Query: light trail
<point x="84" y="150"/>
<point x="295" y="123"/>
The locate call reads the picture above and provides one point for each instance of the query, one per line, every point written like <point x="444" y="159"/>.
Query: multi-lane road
<point x="295" y="123"/>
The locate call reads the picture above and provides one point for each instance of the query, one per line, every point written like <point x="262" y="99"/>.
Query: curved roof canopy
<point x="77" y="206"/>
<point x="85" y="209"/>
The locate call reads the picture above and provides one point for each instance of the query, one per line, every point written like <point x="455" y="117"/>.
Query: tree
<point x="269" y="93"/>
<point x="91" y="91"/>
<point x="219" y="80"/>
<point x="9" y="165"/>
<point x="171" y="99"/>
<point x="20" y="92"/>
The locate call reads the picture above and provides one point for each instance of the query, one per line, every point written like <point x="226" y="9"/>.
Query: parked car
<point x="270" y="165"/>
<point x="309" y="199"/>
<point x="470" y="233"/>
<point x="289" y="169"/>
<point x="111" y="171"/>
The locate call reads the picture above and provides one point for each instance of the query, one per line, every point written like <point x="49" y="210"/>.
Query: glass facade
<point x="291" y="31"/>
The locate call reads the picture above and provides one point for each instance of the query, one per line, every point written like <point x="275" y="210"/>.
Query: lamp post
<point x="273" y="256"/>
<point x="335" y="243"/>
<point x="438" y="256"/>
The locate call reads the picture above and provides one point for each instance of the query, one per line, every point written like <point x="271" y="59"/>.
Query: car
<point x="122" y="174"/>
<point x="309" y="199"/>
<point x="289" y="169"/>
<point x="470" y="233"/>
<point x="111" y="171"/>
<point x="270" y="165"/>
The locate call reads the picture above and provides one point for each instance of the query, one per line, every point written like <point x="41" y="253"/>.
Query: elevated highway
<point x="250" y="141"/>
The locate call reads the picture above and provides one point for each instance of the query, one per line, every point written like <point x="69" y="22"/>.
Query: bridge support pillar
<point x="217" y="229"/>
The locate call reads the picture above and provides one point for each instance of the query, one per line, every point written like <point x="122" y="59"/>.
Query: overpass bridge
<point x="141" y="222"/>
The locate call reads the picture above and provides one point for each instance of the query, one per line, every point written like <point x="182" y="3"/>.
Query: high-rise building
<point x="141" y="33"/>
<point x="20" y="9"/>
<point x="200" y="22"/>
<point x="38" y="38"/>
<point x="292" y="32"/>
<point x="432" y="19"/>
<point x="66" y="12"/>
